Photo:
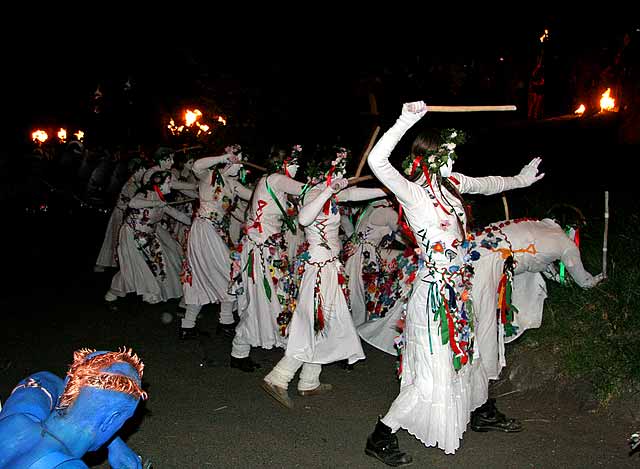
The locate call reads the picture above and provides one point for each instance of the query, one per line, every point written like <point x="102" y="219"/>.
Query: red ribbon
<point x="159" y="192"/>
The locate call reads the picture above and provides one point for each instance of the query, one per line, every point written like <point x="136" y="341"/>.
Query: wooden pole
<point x="469" y="108"/>
<point x="606" y="234"/>
<point x="506" y="207"/>
<point x="356" y="180"/>
<point x="367" y="150"/>
<point x="197" y="147"/>
<point x="178" y="202"/>
<point x="253" y="165"/>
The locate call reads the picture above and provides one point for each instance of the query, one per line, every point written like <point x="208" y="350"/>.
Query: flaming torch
<point x="62" y="135"/>
<point x="580" y="110"/>
<point x="79" y="135"/>
<point x="607" y="103"/>
<point x="39" y="136"/>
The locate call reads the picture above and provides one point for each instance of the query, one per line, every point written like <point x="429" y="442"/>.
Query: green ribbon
<point x="267" y="287"/>
<point x="562" y="266"/>
<point x="287" y="219"/>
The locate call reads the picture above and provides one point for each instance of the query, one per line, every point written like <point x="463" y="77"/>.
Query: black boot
<point x="487" y="418"/>
<point x="227" y="330"/>
<point x="383" y="445"/>
<point x="244" y="364"/>
<point x="191" y="333"/>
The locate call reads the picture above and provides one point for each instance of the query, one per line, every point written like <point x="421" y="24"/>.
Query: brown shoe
<point x="279" y="394"/>
<point x="321" y="389"/>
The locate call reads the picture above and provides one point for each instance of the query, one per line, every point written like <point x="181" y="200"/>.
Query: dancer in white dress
<point x="206" y="270"/>
<point x="365" y="264"/>
<point x="321" y="330"/>
<point x="261" y="272"/>
<point x="107" y="255"/>
<point x="149" y="258"/>
<point x="442" y="379"/>
<point x="509" y="291"/>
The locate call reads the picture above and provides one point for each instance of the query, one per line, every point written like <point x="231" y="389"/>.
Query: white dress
<point x="149" y="258"/>
<point x="321" y="330"/>
<point x="442" y="379"/>
<point x="261" y="275"/>
<point x="535" y="244"/>
<point x="107" y="255"/>
<point x="206" y="271"/>
<point x="366" y="266"/>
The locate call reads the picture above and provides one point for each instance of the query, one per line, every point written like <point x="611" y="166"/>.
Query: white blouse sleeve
<point x="406" y="191"/>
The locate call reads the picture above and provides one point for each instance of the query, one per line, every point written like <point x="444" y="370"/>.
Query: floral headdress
<point x="279" y="163"/>
<point x="433" y="160"/>
<point x="325" y="169"/>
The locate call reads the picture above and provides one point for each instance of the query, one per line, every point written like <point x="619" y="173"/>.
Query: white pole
<point x="606" y="232"/>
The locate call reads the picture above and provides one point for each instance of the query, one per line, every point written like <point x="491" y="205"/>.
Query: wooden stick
<point x="253" y="165"/>
<point x="178" y="202"/>
<point x="197" y="147"/>
<point x="367" y="150"/>
<point x="506" y="207"/>
<point x="509" y="107"/>
<point x="356" y="180"/>
<point x="606" y="233"/>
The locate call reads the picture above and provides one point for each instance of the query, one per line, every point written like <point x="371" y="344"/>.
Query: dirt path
<point x="199" y="417"/>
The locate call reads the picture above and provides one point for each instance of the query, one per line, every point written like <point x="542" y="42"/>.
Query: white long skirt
<point x="338" y="340"/>
<point x="258" y="313"/>
<point x="107" y="254"/>
<point x="136" y="276"/>
<point x="210" y="264"/>
<point x="435" y="401"/>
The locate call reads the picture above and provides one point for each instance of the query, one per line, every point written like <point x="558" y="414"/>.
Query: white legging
<point x="283" y="373"/>
<point x="191" y="315"/>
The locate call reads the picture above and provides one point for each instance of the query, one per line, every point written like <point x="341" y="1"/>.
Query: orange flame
<point x="580" y="110"/>
<point x="39" y="136"/>
<point x="222" y="120"/>
<point x="607" y="103"/>
<point x="62" y="134"/>
<point x="190" y="117"/>
<point x="79" y="135"/>
<point x="545" y="35"/>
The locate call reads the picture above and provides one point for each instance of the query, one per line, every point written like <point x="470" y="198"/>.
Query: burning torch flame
<point x="580" y="110"/>
<point x="79" y="135"/>
<point x="190" y="117"/>
<point x="607" y="103"/>
<point x="222" y="120"/>
<point x="39" y="136"/>
<point x="62" y="134"/>
<point x="545" y="35"/>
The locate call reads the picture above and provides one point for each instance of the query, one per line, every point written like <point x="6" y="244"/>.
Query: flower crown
<point x="433" y="160"/>
<point x="280" y="164"/>
<point x="326" y="168"/>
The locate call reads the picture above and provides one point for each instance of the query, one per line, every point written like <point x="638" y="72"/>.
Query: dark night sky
<point x="300" y="67"/>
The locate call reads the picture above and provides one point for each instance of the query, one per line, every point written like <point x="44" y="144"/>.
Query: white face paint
<point x="445" y="170"/>
<point x="293" y="170"/>
<point x="165" y="187"/>
<point x="338" y="175"/>
<point x="166" y="164"/>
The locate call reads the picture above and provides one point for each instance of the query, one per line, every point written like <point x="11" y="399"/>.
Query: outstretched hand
<point x="338" y="184"/>
<point x="529" y="174"/>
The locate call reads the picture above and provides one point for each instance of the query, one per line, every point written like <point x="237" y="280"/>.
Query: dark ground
<point x="199" y="417"/>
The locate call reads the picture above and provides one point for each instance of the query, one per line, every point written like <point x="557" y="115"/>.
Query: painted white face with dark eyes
<point x="293" y="170"/>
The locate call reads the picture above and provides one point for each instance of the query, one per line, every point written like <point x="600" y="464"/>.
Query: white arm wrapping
<point x="378" y="161"/>
<point x="209" y="161"/>
<point x="140" y="201"/>
<point x="282" y="183"/>
<point x="178" y="215"/>
<point x="311" y="208"/>
<point x="243" y="192"/>
<point x="571" y="259"/>
<point x="181" y="185"/>
<point x="355" y="194"/>
<point x="488" y="185"/>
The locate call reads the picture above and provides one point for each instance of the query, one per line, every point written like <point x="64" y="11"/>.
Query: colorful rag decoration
<point x="506" y="310"/>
